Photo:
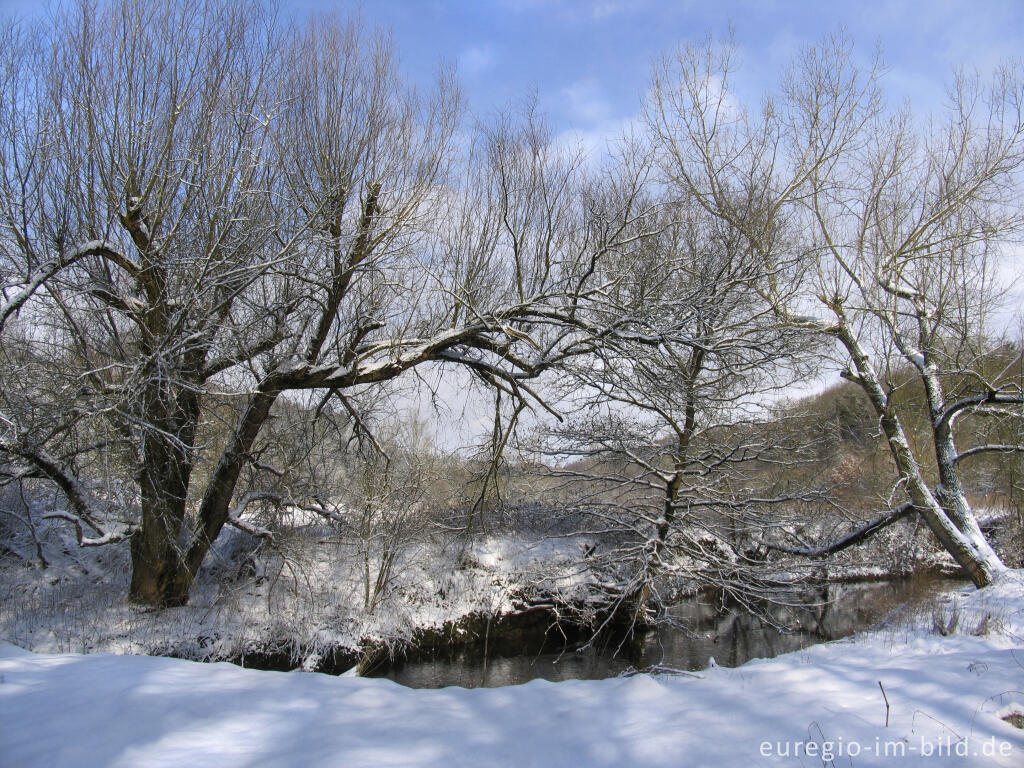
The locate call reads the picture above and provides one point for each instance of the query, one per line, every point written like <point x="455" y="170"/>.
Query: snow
<point x="947" y="696"/>
<point x="304" y="597"/>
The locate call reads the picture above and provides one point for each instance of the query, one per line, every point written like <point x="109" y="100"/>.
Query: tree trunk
<point x="164" y="564"/>
<point x="157" y="561"/>
<point x="159" y="576"/>
<point x="972" y="553"/>
<point x="214" y="510"/>
<point x="950" y="493"/>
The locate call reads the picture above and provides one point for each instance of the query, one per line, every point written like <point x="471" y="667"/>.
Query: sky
<point x="588" y="62"/>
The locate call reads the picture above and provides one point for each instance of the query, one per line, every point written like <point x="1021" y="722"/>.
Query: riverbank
<point x="299" y="604"/>
<point x="948" y="700"/>
<point x="304" y="602"/>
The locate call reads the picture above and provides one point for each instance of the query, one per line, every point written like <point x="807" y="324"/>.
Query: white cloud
<point x="574" y="10"/>
<point x="605" y="8"/>
<point x="477" y="59"/>
<point x="585" y="103"/>
<point x="594" y="123"/>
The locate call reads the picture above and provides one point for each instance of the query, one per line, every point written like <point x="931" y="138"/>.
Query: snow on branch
<point x="111" y="537"/>
<point x="236" y="512"/>
<point x="14" y="301"/>
<point x="236" y="520"/>
<point x="850" y="539"/>
<point x="49" y="467"/>
<point x="992" y="397"/>
<point x="994" y="448"/>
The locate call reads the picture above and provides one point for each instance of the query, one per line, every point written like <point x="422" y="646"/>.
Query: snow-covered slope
<point x="947" y="698"/>
<point x="308" y="601"/>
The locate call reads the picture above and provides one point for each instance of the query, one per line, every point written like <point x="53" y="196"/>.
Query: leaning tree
<point x="901" y="227"/>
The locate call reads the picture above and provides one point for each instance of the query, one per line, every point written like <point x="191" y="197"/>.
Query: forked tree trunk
<point x="950" y="493"/>
<point x="964" y="541"/>
<point x="166" y="558"/>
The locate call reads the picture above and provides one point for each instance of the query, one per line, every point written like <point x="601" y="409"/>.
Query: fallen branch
<point x="855" y="537"/>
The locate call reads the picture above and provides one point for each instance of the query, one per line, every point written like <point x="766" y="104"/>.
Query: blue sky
<point x="589" y="61"/>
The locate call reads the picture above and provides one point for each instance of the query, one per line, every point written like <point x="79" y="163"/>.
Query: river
<point x="696" y="631"/>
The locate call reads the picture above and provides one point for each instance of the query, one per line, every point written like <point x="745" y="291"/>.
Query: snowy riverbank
<point x="947" y="695"/>
<point x="304" y="602"/>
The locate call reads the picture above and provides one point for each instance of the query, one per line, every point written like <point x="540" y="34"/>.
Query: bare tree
<point x="900" y="227"/>
<point x="673" y="435"/>
<point x="204" y="210"/>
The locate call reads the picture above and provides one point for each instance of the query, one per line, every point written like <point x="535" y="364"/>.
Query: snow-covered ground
<point x="947" y="697"/>
<point x="305" y="598"/>
<point x="313" y="594"/>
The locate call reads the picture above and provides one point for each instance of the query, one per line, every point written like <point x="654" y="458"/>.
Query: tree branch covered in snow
<point x="857" y="536"/>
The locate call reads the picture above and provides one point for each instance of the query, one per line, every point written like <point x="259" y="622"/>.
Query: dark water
<point x="701" y="628"/>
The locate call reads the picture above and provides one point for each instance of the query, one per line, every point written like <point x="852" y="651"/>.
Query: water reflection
<point x="700" y="629"/>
